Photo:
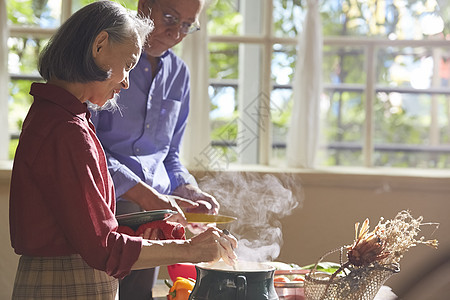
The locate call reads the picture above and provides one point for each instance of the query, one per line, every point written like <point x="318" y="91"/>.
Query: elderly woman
<point x="62" y="198"/>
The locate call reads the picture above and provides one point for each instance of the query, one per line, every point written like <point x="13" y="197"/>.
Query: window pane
<point x="414" y="67"/>
<point x="24" y="54"/>
<point x="280" y="111"/>
<point x="343" y="128"/>
<point x="40" y="13"/>
<point x="415" y="19"/>
<point x="223" y="118"/>
<point x="224" y="18"/>
<point x="408" y="133"/>
<point x="444" y="69"/>
<point x="223" y="89"/>
<point x="77" y="4"/>
<point x="343" y="65"/>
<point x="344" y="77"/>
<point x="283" y="65"/>
<point x="224" y="101"/>
<point x="412" y="127"/>
<point x="224" y="124"/>
<point x="284" y="59"/>
<point x="223" y="60"/>
<point x="288" y="17"/>
<point x="22" y="64"/>
<point x="223" y="94"/>
<point x="19" y="103"/>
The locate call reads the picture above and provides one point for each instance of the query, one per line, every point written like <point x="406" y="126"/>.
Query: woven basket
<point x="359" y="283"/>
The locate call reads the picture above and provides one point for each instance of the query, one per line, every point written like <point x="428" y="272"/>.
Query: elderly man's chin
<point x="110" y="104"/>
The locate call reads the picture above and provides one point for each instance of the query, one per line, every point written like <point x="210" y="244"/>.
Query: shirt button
<point x="137" y="149"/>
<point x="146" y="69"/>
<point x="147" y="125"/>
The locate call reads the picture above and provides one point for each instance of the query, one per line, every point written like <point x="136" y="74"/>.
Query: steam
<point x="259" y="202"/>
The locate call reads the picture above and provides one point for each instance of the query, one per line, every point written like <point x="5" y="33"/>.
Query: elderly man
<point x="142" y="141"/>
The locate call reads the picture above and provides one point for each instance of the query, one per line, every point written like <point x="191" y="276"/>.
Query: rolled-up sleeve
<point x="121" y="259"/>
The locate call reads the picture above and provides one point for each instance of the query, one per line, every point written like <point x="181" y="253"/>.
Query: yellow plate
<point x="204" y="218"/>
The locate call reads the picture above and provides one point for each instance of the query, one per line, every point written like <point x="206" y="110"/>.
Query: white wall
<point x="333" y="202"/>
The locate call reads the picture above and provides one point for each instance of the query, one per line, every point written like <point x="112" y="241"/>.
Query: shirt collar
<point x="161" y="58"/>
<point x="61" y="97"/>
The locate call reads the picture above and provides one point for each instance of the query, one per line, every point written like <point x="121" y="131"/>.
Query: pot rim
<point x="266" y="267"/>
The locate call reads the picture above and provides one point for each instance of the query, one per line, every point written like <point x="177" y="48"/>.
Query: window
<point x="385" y="71"/>
<point x="31" y="23"/>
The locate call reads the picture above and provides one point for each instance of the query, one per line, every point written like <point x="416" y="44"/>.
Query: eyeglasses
<point x="171" y="20"/>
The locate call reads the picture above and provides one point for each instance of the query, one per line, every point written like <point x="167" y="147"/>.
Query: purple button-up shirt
<point x="142" y="140"/>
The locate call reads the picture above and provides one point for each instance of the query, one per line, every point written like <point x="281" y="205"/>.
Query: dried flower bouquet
<point x="372" y="258"/>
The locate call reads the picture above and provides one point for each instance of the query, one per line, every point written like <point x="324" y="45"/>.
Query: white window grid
<point x="267" y="40"/>
<point x="370" y="88"/>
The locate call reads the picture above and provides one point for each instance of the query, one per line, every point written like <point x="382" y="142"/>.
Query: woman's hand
<point x="209" y="246"/>
<point x="213" y="245"/>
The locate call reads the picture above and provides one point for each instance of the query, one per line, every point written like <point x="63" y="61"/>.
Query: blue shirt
<point x="142" y="140"/>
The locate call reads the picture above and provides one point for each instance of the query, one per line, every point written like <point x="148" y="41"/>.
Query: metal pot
<point x="244" y="281"/>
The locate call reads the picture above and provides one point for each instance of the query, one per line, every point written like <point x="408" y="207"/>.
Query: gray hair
<point x="68" y="54"/>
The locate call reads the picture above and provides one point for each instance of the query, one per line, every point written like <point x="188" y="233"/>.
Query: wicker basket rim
<point x="393" y="267"/>
<point x="311" y="276"/>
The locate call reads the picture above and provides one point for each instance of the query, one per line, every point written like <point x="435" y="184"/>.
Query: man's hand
<point x="150" y="199"/>
<point x="206" y="203"/>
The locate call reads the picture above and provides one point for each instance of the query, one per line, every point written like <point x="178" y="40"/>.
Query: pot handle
<point x="241" y="284"/>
